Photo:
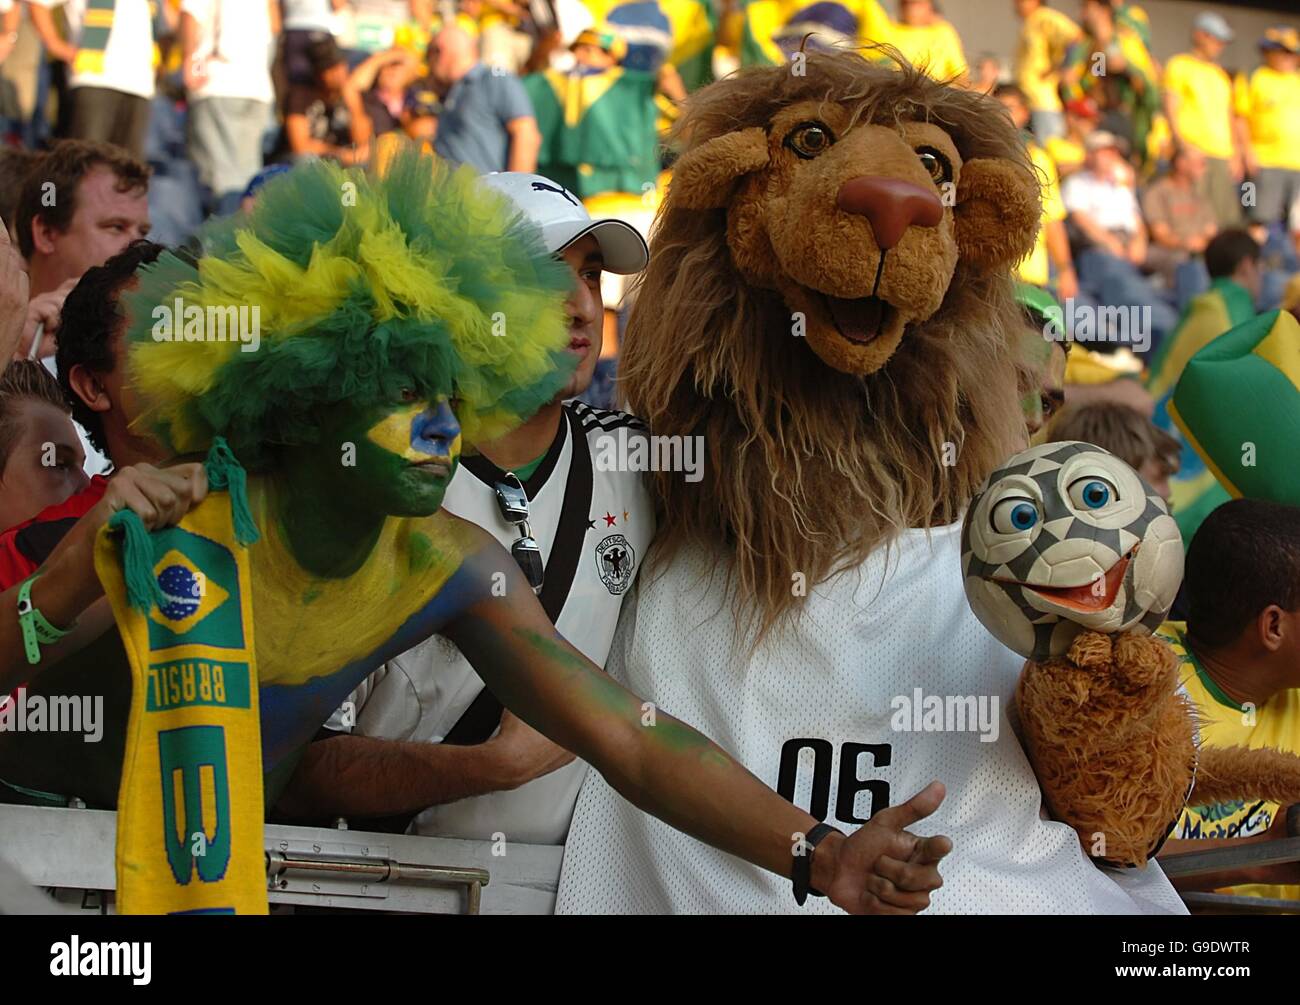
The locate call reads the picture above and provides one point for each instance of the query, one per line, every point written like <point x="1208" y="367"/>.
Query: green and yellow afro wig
<point x="364" y="283"/>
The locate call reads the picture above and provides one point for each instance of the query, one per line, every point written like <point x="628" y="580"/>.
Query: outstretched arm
<point x="670" y="770"/>
<point x="368" y="776"/>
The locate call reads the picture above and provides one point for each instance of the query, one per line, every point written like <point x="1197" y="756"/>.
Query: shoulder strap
<point x="483" y="716"/>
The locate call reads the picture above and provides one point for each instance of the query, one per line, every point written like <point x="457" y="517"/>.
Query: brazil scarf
<point x="189" y="826"/>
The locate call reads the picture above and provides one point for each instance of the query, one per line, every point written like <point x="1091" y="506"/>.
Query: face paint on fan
<point x="420" y="432"/>
<point x="602" y="694"/>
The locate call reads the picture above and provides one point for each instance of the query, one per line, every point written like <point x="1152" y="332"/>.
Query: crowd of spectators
<point x="1142" y="161"/>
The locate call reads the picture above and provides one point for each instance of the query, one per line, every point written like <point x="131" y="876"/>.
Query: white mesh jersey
<point x="812" y="715"/>
<point x="428" y="691"/>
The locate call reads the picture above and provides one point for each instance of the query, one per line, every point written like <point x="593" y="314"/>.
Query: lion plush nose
<point x="890" y="205"/>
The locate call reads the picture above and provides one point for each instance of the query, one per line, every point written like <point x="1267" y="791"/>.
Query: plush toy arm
<point x="1224" y="774"/>
<point x="1110" y="740"/>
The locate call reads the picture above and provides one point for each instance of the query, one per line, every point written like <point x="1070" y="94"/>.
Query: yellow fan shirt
<point x="1066" y="153"/>
<point x="1203" y="92"/>
<point x="1034" y="268"/>
<point x="1224" y="723"/>
<point x="1269" y="102"/>
<point x="1044" y="37"/>
<point x="935" y="45"/>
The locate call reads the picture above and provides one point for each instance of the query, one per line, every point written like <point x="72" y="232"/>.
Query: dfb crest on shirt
<point x="615" y="561"/>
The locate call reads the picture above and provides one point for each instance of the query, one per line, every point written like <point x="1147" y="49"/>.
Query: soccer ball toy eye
<point x="1014" y="515"/>
<point x="1063" y="537"/>
<point x="1092" y="493"/>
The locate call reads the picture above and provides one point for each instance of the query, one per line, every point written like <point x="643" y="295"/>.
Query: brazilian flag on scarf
<point x="598" y="129"/>
<point x="774" y="29"/>
<point x="190" y="813"/>
<point x="1194" y="491"/>
<point x="1238" y="403"/>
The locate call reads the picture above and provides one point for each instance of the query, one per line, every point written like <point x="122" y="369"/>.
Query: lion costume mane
<point x="830" y="306"/>
<point x="822" y="447"/>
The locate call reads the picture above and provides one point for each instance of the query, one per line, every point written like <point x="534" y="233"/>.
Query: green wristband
<point x="37" y="631"/>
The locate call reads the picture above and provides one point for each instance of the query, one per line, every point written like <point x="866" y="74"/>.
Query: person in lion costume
<point x="830" y="307"/>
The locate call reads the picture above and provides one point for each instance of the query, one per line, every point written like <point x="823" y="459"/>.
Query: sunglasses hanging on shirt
<point x="512" y="500"/>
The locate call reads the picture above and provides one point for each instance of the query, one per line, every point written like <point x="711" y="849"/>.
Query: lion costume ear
<point x="998" y="212"/>
<point x="705" y="177"/>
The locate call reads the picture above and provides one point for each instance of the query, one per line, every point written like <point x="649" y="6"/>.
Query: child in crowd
<point x="41" y="457"/>
<point x="1127" y="434"/>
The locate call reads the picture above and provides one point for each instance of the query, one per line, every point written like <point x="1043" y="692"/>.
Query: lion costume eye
<point x="1092" y="492"/>
<point x="1014" y="515"/>
<point x="808" y="139"/>
<point x="936" y="164"/>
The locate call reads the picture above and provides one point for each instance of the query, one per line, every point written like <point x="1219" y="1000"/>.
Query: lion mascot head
<point x="829" y="303"/>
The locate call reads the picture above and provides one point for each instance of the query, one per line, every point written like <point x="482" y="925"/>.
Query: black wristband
<point x="801" y="869"/>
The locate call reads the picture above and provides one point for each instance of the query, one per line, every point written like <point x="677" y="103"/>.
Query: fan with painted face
<point x="1063" y="537"/>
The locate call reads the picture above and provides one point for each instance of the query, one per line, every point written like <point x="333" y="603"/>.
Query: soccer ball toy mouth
<point x="1088" y="598"/>
<point x="1066" y="537"/>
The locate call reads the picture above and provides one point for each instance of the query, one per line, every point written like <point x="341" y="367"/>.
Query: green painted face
<point x="1044" y="394"/>
<point x="394" y="458"/>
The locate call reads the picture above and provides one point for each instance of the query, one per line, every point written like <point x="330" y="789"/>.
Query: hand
<point x="63" y="52"/>
<point x="194" y="73"/>
<point x="13" y="296"/>
<point x="524" y="753"/>
<point x="882" y="868"/>
<point x="6" y="45"/>
<point x="160" y="497"/>
<point x="1067" y="283"/>
<point x="1142" y="661"/>
<point x="46" y="309"/>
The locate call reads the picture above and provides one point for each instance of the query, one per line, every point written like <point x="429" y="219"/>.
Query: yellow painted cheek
<point x="393" y="433"/>
<point x="455" y="448"/>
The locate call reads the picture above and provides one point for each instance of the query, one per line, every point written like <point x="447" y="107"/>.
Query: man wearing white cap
<point x="422" y="737"/>
<point x="1199" y="103"/>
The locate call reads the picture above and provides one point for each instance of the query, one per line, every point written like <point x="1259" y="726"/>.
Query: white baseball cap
<point x="563" y="219"/>
<point x="1213" y="24"/>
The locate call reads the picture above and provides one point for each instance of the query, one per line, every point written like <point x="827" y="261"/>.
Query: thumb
<point x="915" y="809"/>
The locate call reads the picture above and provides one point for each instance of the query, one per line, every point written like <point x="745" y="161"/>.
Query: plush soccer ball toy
<point x="1066" y="537"/>
<point x="1071" y="560"/>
